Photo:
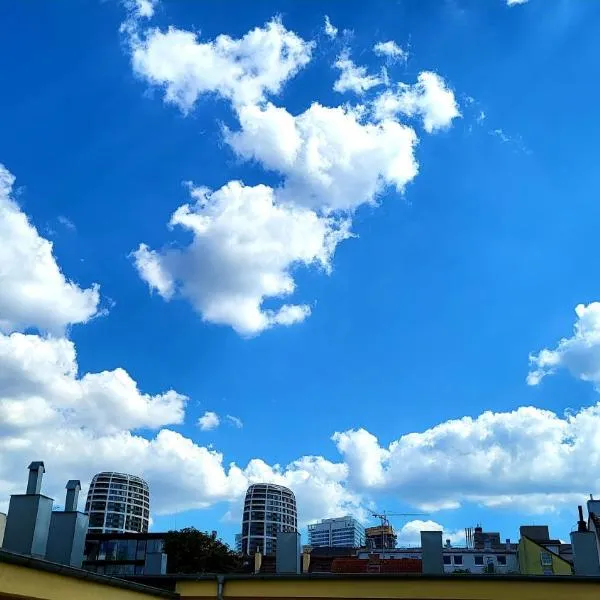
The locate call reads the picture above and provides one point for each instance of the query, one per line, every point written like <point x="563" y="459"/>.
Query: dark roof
<point x="12" y="558"/>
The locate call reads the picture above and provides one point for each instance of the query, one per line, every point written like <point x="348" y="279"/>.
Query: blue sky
<point x="364" y="260"/>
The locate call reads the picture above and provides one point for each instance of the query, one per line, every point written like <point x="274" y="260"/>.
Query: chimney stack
<point x="431" y="552"/>
<point x="287" y="552"/>
<point x="36" y="472"/>
<point x="73" y="488"/>
<point x="28" y="519"/>
<point x="66" y="538"/>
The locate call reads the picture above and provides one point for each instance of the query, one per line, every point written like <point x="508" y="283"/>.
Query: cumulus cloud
<point x="352" y="77"/>
<point x="243" y="70"/>
<point x="410" y="533"/>
<point x="39" y="385"/>
<point x="391" y="50"/>
<point x="209" y="420"/>
<point x="580" y="353"/>
<point x="330" y="30"/>
<point x="33" y="290"/>
<point x="515" y="2"/>
<point x="430" y="99"/>
<point x="330" y="159"/>
<point x="243" y="251"/>
<point x="495" y="459"/>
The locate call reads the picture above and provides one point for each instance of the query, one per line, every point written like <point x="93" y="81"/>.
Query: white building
<point x="268" y="509"/>
<point x="339" y="532"/>
<point x="118" y="503"/>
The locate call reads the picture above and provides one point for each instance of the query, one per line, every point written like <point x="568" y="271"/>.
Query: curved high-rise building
<point x="118" y="503"/>
<point x="268" y="508"/>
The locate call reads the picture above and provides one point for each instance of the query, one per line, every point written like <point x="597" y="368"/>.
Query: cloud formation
<point x="248" y="240"/>
<point x="208" y="421"/>
<point x="330" y="30"/>
<point x="241" y="70"/>
<point x="580" y="353"/>
<point x="243" y="251"/>
<point x="430" y="99"/>
<point x="391" y="51"/>
<point x="352" y="77"/>
<point x="33" y="290"/>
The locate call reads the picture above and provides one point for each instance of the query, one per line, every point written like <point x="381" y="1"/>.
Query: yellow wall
<point x="530" y="560"/>
<point x="454" y="588"/>
<point x="30" y="583"/>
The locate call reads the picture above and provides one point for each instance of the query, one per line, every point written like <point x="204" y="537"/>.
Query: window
<point x="458" y="559"/>
<point x="548" y="571"/>
<point x="501" y="558"/>
<point x="546" y="559"/>
<point x="446" y="559"/>
<point x="479" y="560"/>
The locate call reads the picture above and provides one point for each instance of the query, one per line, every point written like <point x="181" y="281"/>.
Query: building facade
<point x="268" y="508"/>
<point x="118" y="503"/>
<point x="338" y="532"/>
<point x="125" y="554"/>
<point x="238" y="543"/>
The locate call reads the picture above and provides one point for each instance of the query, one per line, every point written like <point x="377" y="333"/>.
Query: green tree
<point x="192" y="551"/>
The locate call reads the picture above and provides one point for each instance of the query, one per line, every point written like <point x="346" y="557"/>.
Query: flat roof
<point x="371" y="576"/>
<point x="39" y="564"/>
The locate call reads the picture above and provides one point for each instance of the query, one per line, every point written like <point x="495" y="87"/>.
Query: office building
<point x="238" y="543"/>
<point x="125" y="554"/>
<point x="380" y="537"/>
<point x="338" y="532"/>
<point x="118" y="503"/>
<point x="268" y="509"/>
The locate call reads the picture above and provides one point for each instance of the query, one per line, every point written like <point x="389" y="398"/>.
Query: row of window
<point x="121" y="549"/>
<point x="118" y="521"/>
<point x="457" y="559"/>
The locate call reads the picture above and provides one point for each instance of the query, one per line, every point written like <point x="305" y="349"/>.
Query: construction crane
<point x="385" y="522"/>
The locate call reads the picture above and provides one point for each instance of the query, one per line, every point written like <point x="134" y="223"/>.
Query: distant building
<point x="536" y="559"/>
<point x="125" y="554"/>
<point x="268" y="509"/>
<point x="118" y="503"/>
<point x="380" y="537"/>
<point x="500" y="561"/>
<point x="238" y="543"/>
<point x="338" y="532"/>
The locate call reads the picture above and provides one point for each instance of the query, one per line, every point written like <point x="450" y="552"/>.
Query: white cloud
<point x="33" y="290"/>
<point x="141" y="8"/>
<point x="580" y="353"/>
<point x="391" y="50"/>
<point x="209" y="420"/>
<point x="330" y="30"/>
<point x="329" y="158"/>
<point x="244" y="249"/>
<point x="410" y="533"/>
<point x="39" y="385"/>
<point x="235" y="421"/>
<point x="242" y="70"/>
<point x="495" y="459"/>
<point x="353" y="78"/>
<point x="515" y="2"/>
<point x="430" y="98"/>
